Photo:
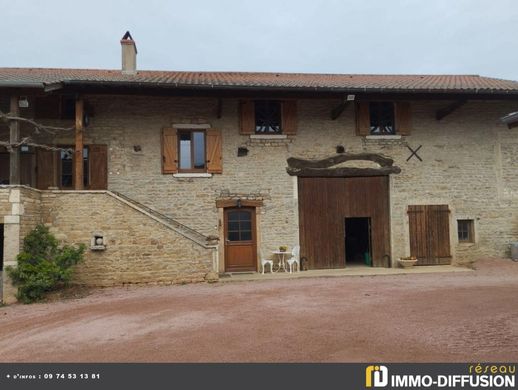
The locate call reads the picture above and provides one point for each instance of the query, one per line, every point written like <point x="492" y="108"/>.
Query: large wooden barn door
<point x="430" y="234"/>
<point x="324" y="203"/>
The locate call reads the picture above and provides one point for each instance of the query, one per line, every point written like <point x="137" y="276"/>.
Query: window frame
<point x="179" y="133"/>
<point x="86" y="172"/>
<point x="470" y="231"/>
<point x="277" y="102"/>
<point x="379" y="111"/>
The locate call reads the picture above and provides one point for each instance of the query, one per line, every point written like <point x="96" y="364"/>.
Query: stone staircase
<point x="186" y="231"/>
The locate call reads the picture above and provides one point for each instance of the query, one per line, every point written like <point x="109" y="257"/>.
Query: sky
<point x="326" y="36"/>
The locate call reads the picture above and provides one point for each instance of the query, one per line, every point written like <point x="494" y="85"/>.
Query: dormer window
<point x="382" y="118"/>
<point x="268" y="117"/>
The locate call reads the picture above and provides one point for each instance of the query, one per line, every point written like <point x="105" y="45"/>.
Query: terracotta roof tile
<point x="358" y="82"/>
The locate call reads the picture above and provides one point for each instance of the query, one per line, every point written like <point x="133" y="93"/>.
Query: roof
<point x="43" y="77"/>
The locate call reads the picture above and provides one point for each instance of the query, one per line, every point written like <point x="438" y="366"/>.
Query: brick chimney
<point x="129" y="54"/>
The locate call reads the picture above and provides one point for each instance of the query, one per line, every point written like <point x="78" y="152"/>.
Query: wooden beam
<point x="444" y="112"/>
<point x="299" y="163"/>
<point x="337" y="111"/>
<point x="222" y="203"/>
<point x="14" y="138"/>
<point x="79" y="142"/>
<point x="343" y="172"/>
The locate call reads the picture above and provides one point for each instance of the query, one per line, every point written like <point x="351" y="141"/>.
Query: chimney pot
<point x="129" y="54"/>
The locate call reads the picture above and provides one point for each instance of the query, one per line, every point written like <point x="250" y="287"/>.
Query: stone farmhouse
<point x="173" y="177"/>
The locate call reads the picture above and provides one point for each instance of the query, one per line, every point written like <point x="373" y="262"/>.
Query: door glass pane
<point x="233" y="226"/>
<point x="233" y="216"/>
<point x="246" y="235"/>
<point x="244" y="215"/>
<point x="233" y="236"/>
<point x="66" y="167"/>
<point x="199" y="150"/>
<point x="246" y="225"/>
<point x="185" y="151"/>
<point x="86" y="173"/>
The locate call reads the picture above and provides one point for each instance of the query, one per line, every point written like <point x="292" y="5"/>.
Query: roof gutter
<point x="20" y="84"/>
<point x="133" y="84"/>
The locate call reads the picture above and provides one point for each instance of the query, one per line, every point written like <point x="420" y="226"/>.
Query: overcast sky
<point x="326" y="36"/>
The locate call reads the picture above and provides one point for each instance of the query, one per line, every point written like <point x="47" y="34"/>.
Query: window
<point x="268" y="117"/>
<point x="466" y="230"/>
<point x="191" y="151"/>
<point x="67" y="167"/>
<point x="382" y="118"/>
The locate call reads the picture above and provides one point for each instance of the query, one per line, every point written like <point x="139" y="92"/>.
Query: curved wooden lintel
<point x="343" y="172"/>
<point x="329" y="162"/>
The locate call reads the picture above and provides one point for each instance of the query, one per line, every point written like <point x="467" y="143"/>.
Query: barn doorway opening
<point x="358" y="248"/>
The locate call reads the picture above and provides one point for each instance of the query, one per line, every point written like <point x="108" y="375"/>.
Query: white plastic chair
<point x="294" y="259"/>
<point x="264" y="262"/>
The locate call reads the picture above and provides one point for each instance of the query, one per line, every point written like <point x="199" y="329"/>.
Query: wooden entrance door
<point x="240" y="240"/>
<point x="430" y="234"/>
<point x="325" y="202"/>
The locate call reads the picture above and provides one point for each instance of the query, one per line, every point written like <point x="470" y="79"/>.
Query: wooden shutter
<point x="46" y="168"/>
<point x="403" y="118"/>
<point x="214" y="151"/>
<point x="430" y="234"/>
<point x="98" y="158"/>
<point x="247" y="116"/>
<point x="417" y="227"/>
<point x="363" y="121"/>
<point x="169" y="150"/>
<point x="439" y="233"/>
<point x="289" y="117"/>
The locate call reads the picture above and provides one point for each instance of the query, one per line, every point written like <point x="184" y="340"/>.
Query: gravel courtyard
<point x="466" y="316"/>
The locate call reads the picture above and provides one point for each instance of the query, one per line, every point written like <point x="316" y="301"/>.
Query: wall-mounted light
<point x="238" y="203"/>
<point x="137" y="148"/>
<point x="86" y="120"/>
<point x="23" y="102"/>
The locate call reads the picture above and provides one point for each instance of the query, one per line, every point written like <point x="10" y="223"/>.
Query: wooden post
<point x="14" y="137"/>
<point x="78" y="155"/>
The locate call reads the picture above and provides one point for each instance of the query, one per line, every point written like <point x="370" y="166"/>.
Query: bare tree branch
<point x="37" y="126"/>
<point x="27" y="141"/>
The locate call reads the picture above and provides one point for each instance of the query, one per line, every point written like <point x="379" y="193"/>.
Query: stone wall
<point x="468" y="163"/>
<point x="139" y="249"/>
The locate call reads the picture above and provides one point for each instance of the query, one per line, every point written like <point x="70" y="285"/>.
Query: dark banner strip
<point x="258" y="376"/>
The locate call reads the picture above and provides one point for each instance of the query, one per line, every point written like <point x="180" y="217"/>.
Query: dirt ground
<point x="467" y="316"/>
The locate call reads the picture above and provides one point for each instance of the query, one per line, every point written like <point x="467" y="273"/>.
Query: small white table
<point x="282" y="259"/>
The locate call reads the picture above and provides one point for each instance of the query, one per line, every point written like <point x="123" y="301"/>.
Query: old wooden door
<point x="240" y="240"/>
<point x="325" y="202"/>
<point x="429" y="227"/>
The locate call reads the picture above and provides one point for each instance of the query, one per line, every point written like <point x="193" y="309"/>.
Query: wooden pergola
<point x="15" y="139"/>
